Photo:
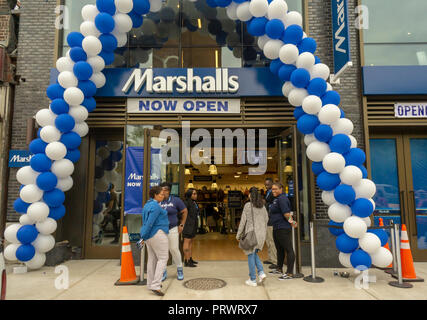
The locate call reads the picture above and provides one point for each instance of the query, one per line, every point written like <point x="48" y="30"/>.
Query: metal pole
<point x="296" y="274"/>
<point x="393" y="250"/>
<point x="142" y="281"/>
<point x="399" y="283"/>
<point x="312" y="277"/>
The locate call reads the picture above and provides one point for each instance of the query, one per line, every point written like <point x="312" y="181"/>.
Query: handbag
<point x="249" y="241"/>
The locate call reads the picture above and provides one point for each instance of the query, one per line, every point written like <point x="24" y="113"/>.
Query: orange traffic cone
<point x="127" y="274"/>
<point x="408" y="270"/>
<point x="386" y="245"/>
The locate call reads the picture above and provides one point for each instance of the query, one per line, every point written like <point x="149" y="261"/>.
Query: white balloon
<point x="103" y="152"/>
<point x="155" y="5"/>
<point x="64" y="64"/>
<point x="10" y="251"/>
<point x="305" y="60"/>
<point x="81" y="128"/>
<point x="293" y="17"/>
<point x="45" y="117"/>
<point x="370" y="242"/>
<point x="114" y="145"/>
<point x="98" y="79"/>
<point x="342" y="125"/>
<point x="25" y="219"/>
<point x="92" y="46"/>
<point x="38" y="211"/>
<point x="74" y="96"/>
<point x="37" y="261"/>
<point x="67" y="79"/>
<point x="30" y="193"/>
<point x="124" y="6"/>
<point x="365" y="189"/>
<point x="309" y="138"/>
<point x="47" y="226"/>
<point x="79" y="113"/>
<point x="344" y="259"/>
<point x="231" y="11"/>
<point x="353" y="141"/>
<point x="328" y="197"/>
<point x="373" y="203"/>
<point x="382" y="258"/>
<point x="367" y="221"/>
<point x="277" y="9"/>
<point x="243" y="12"/>
<point x="97" y="63"/>
<point x="56" y="150"/>
<point x="44" y="243"/>
<point x="329" y="114"/>
<point x="62" y="168"/>
<point x="355" y="227"/>
<point x="122" y="39"/>
<point x="10" y="233"/>
<point x="88" y="28"/>
<point x="296" y="96"/>
<point x="320" y="70"/>
<point x="288" y="53"/>
<point x="338" y="212"/>
<point x="123" y="23"/>
<point x="50" y="134"/>
<point x="333" y="162"/>
<point x="272" y="48"/>
<point x="317" y="150"/>
<point x="287" y="88"/>
<point x="26" y="175"/>
<point x="65" y="184"/>
<point x="351" y="175"/>
<point x="312" y="104"/>
<point x="258" y="8"/>
<point x="89" y="12"/>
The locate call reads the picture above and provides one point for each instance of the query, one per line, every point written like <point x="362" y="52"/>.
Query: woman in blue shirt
<point x="154" y="232"/>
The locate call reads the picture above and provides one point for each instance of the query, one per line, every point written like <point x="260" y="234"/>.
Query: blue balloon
<point x="75" y="39"/>
<point x="27" y="234"/>
<point x="293" y="34"/>
<point x="38" y="132"/>
<point x="137" y="19"/>
<point x="78" y="54"/>
<point x="342" y="113"/>
<point x="362" y="208"/>
<point x="65" y="122"/>
<point x="354" y="157"/>
<point x="221" y="40"/>
<point x="382" y="234"/>
<point x="336" y="232"/>
<point x="20" y="206"/>
<point x="25" y="252"/>
<point x="37" y="146"/>
<point x="317" y="60"/>
<point x="285" y="71"/>
<point x="317" y="87"/>
<point x="323" y="133"/>
<point x="107" y="56"/>
<point x="239" y="1"/>
<point x="256" y="26"/>
<point x="344" y="194"/>
<point x="56" y="213"/>
<point x="298" y="112"/>
<point x="104" y="22"/>
<point x="107" y="6"/>
<point x="275" y="28"/>
<point x="55" y="91"/>
<point x="59" y="106"/>
<point x="99" y="172"/>
<point x="346" y="244"/>
<point x="317" y="167"/>
<point x="307" y="123"/>
<point x="82" y="70"/>
<point x="97" y="207"/>
<point x="108" y="164"/>
<point x="275" y="66"/>
<point x="167" y="14"/>
<point x="328" y="181"/>
<point x="54" y="198"/>
<point x="223" y="3"/>
<point x="211" y="3"/>
<point x="89" y="104"/>
<point x="71" y="140"/>
<point x="300" y="78"/>
<point x="40" y="162"/>
<point x="46" y="181"/>
<point x="307" y="45"/>
<point x="141" y="6"/>
<point x="116" y="156"/>
<point x="340" y="143"/>
<point x="88" y="88"/>
<point x="214" y="27"/>
<point x="364" y="172"/>
<point x="109" y="42"/>
<point x="331" y="97"/>
<point x="73" y="155"/>
<point x="360" y="260"/>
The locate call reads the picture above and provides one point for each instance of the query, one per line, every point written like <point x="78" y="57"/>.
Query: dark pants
<point x="283" y="241"/>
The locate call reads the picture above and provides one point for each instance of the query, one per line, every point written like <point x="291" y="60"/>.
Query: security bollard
<point x="296" y="274"/>
<point x="399" y="283"/>
<point x="393" y="251"/>
<point x="312" y="277"/>
<point x="142" y="281"/>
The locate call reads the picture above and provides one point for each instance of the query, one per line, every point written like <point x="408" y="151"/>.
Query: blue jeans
<point x="254" y="261"/>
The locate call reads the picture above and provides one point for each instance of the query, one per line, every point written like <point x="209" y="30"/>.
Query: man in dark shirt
<point x="281" y="219"/>
<point x="272" y="253"/>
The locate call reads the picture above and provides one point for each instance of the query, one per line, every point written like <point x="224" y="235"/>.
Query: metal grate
<point x="205" y="284"/>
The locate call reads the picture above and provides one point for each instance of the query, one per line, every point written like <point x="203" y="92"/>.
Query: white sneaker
<point x="261" y="277"/>
<point x="251" y="283"/>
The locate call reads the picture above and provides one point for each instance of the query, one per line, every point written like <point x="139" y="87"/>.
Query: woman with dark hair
<point x="154" y="232"/>
<point x="190" y="227"/>
<point x="254" y="217"/>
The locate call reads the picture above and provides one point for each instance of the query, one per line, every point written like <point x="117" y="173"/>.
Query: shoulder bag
<point x="249" y="241"/>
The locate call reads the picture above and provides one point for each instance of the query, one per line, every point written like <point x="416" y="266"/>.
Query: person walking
<point x="272" y="251"/>
<point x="281" y="218"/>
<point x="254" y="217"/>
<point x="176" y="209"/>
<point x="154" y="232"/>
<point x="190" y="227"/>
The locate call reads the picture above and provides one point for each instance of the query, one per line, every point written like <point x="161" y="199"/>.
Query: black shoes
<point x="189" y="263"/>
<point x="272" y="266"/>
<point x="267" y="262"/>
<point x="191" y="260"/>
<point x="158" y="293"/>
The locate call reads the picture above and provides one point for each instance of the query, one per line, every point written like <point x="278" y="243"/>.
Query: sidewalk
<point x="94" y="279"/>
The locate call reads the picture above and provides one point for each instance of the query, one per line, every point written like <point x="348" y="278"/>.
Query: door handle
<point x="403" y="206"/>
<point x="414" y="208"/>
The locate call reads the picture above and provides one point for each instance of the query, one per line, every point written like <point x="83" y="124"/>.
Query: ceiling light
<point x="190" y="185"/>
<point x="187" y="172"/>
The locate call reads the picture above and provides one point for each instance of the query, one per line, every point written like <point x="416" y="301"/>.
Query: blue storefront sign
<point x="341" y="37"/>
<point x="19" y="158"/>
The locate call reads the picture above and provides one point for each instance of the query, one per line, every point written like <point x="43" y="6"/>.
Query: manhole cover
<point x="205" y="284"/>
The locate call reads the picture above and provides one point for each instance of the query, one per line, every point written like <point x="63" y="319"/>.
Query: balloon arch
<point x="337" y="162"/>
